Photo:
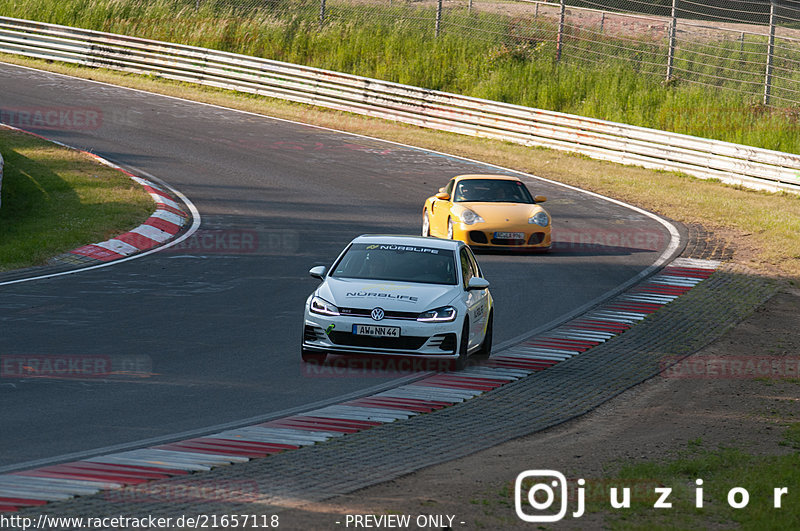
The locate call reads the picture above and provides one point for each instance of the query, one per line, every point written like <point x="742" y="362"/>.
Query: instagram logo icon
<point x="537" y="494"/>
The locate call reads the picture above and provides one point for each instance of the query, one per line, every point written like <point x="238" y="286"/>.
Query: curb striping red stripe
<point x="598" y="328"/>
<point x="137" y="240"/>
<point x="665" y="290"/>
<point x="534" y="361"/>
<point x="343" y="422"/>
<point x="75" y="467"/>
<point x="448" y="385"/>
<point x="468" y="380"/>
<point x="310" y="427"/>
<point x="97" y="252"/>
<point x="173" y="210"/>
<point x="555" y="346"/>
<point x="401" y="407"/>
<point x="243" y="443"/>
<point x="144" y="468"/>
<point x="409" y="401"/>
<point x="164" y="225"/>
<point x="83" y="476"/>
<point x="636" y="308"/>
<point x="198" y="449"/>
<point x="688" y="271"/>
<point x="149" y="188"/>
<point x="579" y="342"/>
<point x="559" y="342"/>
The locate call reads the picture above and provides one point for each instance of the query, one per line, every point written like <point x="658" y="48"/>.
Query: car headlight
<point x="540" y="218"/>
<point x="469" y="217"/>
<point x="320" y="305"/>
<point x="439" y="315"/>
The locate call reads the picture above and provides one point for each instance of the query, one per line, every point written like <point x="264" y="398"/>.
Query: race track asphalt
<point x="218" y="319"/>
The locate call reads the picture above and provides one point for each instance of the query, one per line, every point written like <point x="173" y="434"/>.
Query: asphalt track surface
<point x="219" y="319"/>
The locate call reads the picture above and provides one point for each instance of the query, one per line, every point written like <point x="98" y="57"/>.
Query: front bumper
<point x="482" y="235"/>
<point x="429" y="340"/>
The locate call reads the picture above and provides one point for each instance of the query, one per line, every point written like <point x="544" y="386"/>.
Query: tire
<point x="486" y="347"/>
<point x="316" y="358"/>
<point x="460" y="363"/>
<point x="449" y="229"/>
<point x="426" y="224"/>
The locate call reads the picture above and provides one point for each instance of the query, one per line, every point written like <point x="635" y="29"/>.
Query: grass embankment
<point x="514" y="63"/>
<point x="722" y="471"/>
<point x="56" y="199"/>
<point x="737" y="489"/>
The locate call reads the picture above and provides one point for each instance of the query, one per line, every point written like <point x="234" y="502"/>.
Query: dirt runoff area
<point x="652" y="422"/>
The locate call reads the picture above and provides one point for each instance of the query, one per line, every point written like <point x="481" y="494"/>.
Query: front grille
<point x="312" y="333"/>
<point x="478" y="236"/>
<point x="360" y="312"/>
<point x="393" y="343"/>
<point x="536" y="238"/>
<point x="448" y="343"/>
<point x="503" y="241"/>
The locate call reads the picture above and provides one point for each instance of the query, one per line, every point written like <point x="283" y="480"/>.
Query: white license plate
<point x="376" y="331"/>
<point x="509" y="235"/>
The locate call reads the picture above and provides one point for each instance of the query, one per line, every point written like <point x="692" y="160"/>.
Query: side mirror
<point x="540" y="199"/>
<point x="318" y="272"/>
<point x="444" y="196"/>
<point x="477" y="283"/>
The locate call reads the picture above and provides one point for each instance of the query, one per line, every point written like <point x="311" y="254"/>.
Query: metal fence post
<point x="770" y="54"/>
<point x="672" y="32"/>
<point x="438" y="17"/>
<point x="560" y="38"/>
<point x="321" y="12"/>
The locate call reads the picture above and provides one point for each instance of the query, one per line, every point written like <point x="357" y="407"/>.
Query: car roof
<point x="487" y="176"/>
<point x="418" y="241"/>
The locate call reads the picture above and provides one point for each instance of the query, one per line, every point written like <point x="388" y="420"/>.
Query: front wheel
<point x="460" y="362"/>
<point x="486" y="346"/>
<point x="426" y="224"/>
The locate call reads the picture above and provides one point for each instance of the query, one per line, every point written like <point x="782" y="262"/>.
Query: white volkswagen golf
<point x="402" y="296"/>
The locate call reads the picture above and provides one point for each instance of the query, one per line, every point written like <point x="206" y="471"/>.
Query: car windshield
<point x="492" y="191"/>
<point x="404" y="263"/>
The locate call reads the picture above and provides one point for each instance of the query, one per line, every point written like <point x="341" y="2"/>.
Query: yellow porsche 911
<point x="488" y="211"/>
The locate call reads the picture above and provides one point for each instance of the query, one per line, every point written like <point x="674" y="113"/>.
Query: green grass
<point x="513" y="65"/>
<point x="721" y="470"/>
<point x="55" y="199"/>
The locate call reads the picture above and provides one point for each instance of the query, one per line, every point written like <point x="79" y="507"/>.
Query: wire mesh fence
<point x="750" y="47"/>
<point x="746" y="48"/>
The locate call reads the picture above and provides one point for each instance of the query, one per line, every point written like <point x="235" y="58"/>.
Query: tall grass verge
<point x="504" y="66"/>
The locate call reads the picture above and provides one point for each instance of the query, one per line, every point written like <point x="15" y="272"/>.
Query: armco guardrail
<point x="650" y="148"/>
